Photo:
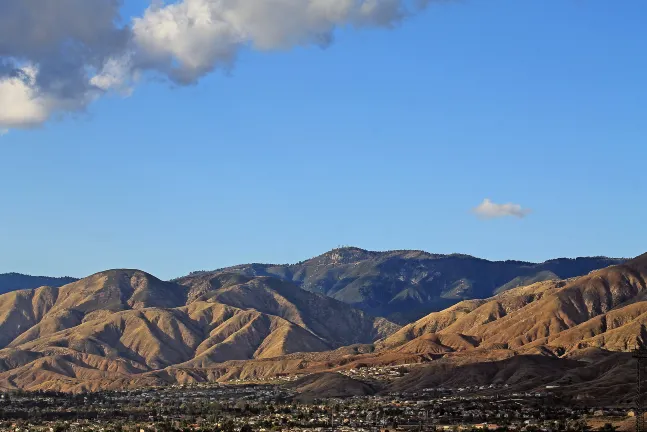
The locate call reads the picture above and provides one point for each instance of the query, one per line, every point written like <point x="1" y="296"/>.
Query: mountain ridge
<point x="395" y="251"/>
<point x="404" y="285"/>
<point x="18" y="281"/>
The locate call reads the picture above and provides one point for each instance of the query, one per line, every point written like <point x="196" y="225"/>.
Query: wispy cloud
<point x="57" y="56"/>
<point x="490" y="210"/>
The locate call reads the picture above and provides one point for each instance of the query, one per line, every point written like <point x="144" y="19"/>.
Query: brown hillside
<point x="117" y="325"/>
<point x="465" y="316"/>
<point x="603" y="309"/>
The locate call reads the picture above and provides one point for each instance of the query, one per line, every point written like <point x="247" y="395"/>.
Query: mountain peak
<point x="122" y="272"/>
<point x="121" y="289"/>
<point x="348" y="254"/>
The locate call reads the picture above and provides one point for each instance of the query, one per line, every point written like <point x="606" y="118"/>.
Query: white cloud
<point x="490" y="210"/>
<point x="57" y="56"/>
<point x="185" y="40"/>
<point x="21" y="104"/>
<point x="24" y="105"/>
<point x="47" y="48"/>
<point x="190" y="38"/>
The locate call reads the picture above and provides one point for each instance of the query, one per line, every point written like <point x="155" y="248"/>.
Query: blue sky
<point x="387" y="139"/>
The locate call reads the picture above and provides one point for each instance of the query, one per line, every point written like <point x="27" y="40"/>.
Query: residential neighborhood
<point x="273" y="407"/>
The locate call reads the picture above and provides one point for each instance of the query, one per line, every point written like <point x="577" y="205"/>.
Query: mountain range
<point x="126" y="328"/>
<point x="573" y="335"/>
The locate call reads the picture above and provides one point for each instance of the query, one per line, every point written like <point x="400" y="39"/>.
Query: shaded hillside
<point x="330" y="385"/>
<point x="598" y="375"/>
<point x="523" y="372"/>
<point x="405" y="285"/>
<point x="16" y="281"/>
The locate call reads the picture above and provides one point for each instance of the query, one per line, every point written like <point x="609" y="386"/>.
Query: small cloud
<point x="489" y="210"/>
<point x="4" y="132"/>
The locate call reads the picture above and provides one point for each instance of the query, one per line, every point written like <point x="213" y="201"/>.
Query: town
<point x="272" y="407"/>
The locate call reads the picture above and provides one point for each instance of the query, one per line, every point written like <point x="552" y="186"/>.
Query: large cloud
<point x="490" y="210"/>
<point x="48" y="51"/>
<point x="57" y="56"/>
<point x="188" y="39"/>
